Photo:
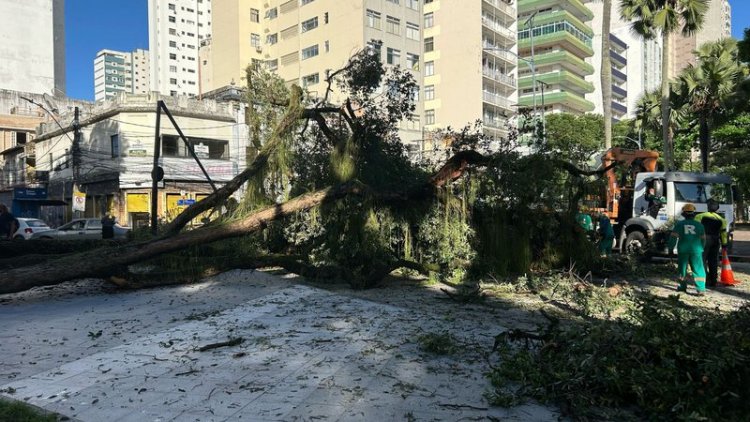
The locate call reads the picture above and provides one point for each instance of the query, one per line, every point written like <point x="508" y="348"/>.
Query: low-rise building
<point x="114" y="162"/>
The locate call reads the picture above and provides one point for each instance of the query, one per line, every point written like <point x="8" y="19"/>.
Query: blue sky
<point x="92" y="25"/>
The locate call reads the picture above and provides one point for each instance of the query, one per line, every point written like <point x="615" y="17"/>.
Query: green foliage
<point x="664" y="359"/>
<point x="21" y="412"/>
<point x="438" y="343"/>
<point x="574" y="137"/>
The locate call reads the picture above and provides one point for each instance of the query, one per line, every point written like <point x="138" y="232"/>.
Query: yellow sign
<point x="79" y="200"/>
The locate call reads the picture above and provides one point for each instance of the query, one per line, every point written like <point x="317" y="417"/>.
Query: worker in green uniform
<point x="715" y="227"/>
<point x="607" y="234"/>
<point x="584" y="221"/>
<point x="690" y="238"/>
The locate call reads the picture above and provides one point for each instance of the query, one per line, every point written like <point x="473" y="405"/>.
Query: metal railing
<point x="503" y="6"/>
<point x="498" y="27"/>
<point x="496" y="99"/>
<point x="497" y="75"/>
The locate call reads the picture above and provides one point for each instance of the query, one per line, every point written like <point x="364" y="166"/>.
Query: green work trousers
<point x="605" y="245"/>
<point x="695" y="260"/>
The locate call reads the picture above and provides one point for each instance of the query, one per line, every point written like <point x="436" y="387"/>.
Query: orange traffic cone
<point x="727" y="275"/>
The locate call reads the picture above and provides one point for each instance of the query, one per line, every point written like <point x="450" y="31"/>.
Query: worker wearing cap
<point x="715" y="227"/>
<point x="689" y="236"/>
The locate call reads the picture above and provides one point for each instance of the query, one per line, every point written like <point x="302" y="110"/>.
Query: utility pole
<point x="157" y="173"/>
<point x="76" y="149"/>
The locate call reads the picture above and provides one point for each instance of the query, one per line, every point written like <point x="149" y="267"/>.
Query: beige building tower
<point x="470" y="64"/>
<point x="461" y="53"/>
<point x="120" y="71"/>
<point x="717" y="26"/>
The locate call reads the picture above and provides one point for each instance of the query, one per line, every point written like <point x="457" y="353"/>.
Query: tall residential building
<point x="175" y="31"/>
<point x="118" y="71"/>
<point x="561" y="40"/>
<point x="717" y="25"/>
<point x="32" y="46"/>
<point x="303" y="40"/>
<point x="470" y="64"/>
<point x="440" y="42"/>
<point x="636" y="64"/>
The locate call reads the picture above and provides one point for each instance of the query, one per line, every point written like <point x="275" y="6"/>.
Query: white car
<point x="81" y="228"/>
<point x="28" y="226"/>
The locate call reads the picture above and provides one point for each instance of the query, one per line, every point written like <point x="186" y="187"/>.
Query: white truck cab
<point x="677" y="188"/>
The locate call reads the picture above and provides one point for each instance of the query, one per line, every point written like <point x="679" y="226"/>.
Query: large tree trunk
<point x="606" y="74"/>
<point x="666" y="127"/>
<point x="103" y="262"/>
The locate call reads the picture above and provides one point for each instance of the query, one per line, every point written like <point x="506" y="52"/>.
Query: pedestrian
<point x="607" y="234"/>
<point x="108" y="226"/>
<point x="690" y="238"/>
<point x="715" y="227"/>
<point x="8" y="223"/>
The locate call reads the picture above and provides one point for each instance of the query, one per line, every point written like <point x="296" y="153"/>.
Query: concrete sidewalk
<point x="308" y="354"/>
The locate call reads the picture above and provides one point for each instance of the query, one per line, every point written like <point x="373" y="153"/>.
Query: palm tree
<point x="606" y="73"/>
<point x="652" y="18"/>
<point x="707" y="87"/>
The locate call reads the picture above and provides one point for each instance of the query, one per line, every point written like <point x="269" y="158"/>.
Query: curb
<point x="739" y="258"/>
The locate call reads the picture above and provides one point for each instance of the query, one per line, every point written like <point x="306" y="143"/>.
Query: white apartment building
<point x="175" y="31"/>
<point x="636" y="64"/>
<point x="32" y="46"/>
<point x="717" y="25"/>
<point x="119" y="71"/>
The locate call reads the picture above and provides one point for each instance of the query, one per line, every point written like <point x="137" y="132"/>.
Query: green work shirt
<point x="690" y="235"/>
<point x="584" y="220"/>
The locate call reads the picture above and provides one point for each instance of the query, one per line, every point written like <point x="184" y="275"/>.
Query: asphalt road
<point x="742" y="242"/>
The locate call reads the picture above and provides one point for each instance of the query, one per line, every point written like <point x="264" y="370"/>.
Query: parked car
<point x="28" y="226"/>
<point x="81" y="228"/>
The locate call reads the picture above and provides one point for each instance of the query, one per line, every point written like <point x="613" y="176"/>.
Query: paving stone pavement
<point x="308" y="354"/>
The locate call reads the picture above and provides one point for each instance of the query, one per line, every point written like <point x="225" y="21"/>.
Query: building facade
<point x="470" y="64"/>
<point x="556" y="38"/>
<point x="175" y="31"/>
<point x="32" y="51"/>
<point x="119" y="71"/>
<point x="117" y="151"/>
<point x="717" y="25"/>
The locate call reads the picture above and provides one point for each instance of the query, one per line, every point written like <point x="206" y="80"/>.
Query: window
<point x="172" y="56"/>
<point x="412" y="4"/>
<point x="393" y="25"/>
<point x="429" y="117"/>
<point x="311" y="51"/>
<point x="412" y="61"/>
<point x="327" y="46"/>
<point x="173" y="19"/>
<point x="429" y="92"/>
<point x="173" y="81"/>
<point x="173" y="43"/>
<point x="272" y="39"/>
<point x="272" y="13"/>
<point x="114" y="141"/>
<point x="393" y="56"/>
<point x="272" y="65"/>
<point x="254" y="15"/>
<point x="310" y="24"/>
<point x="373" y="19"/>
<point x="172" y="31"/>
<point x="429" y="20"/>
<point x="375" y="46"/>
<point x="325" y="18"/>
<point x="171" y="6"/>
<point x="304" y="2"/>
<point x="393" y="1"/>
<point x="412" y="31"/>
<point x="172" y="93"/>
<point x="429" y="44"/>
<point x="429" y="68"/>
<point x="173" y="69"/>
<point x="255" y="40"/>
<point x="310" y="79"/>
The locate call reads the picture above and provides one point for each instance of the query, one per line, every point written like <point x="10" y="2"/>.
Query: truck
<point x="643" y="203"/>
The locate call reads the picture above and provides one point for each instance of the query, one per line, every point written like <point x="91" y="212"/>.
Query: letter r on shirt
<point x="689" y="229"/>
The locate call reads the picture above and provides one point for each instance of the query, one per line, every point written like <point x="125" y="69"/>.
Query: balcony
<point x="557" y="33"/>
<point x="494" y="122"/>
<point x="617" y="43"/>
<point x="503" y="6"/>
<point x="618" y="58"/>
<point x="498" y="52"/>
<point x="496" y="100"/>
<point x="619" y="75"/>
<point x="498" y="76"/>
<point x="619" y="108"/>
<point x="574" y="6"/>
<point x="498" y="27"/>
<point x="619" y="92"/>
<point x="562" y="78"/>
<point x="567" y="99"/>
